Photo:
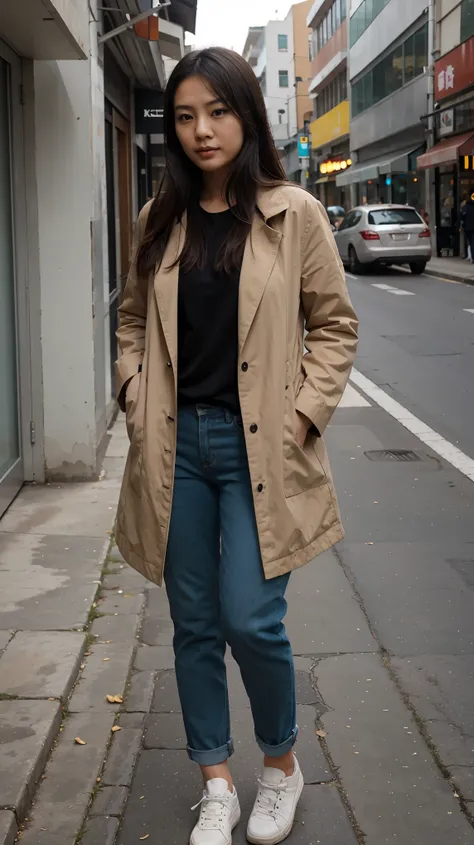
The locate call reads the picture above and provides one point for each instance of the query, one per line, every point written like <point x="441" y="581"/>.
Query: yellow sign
<point x="332" y="125"/>
<point x="335" y="166"/>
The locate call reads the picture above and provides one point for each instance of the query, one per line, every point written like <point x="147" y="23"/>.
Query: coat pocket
<point x="132" y="406"/>
<point x="302" y="468"/>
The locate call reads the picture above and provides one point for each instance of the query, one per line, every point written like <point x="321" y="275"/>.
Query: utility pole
<point x="430" y="134"/>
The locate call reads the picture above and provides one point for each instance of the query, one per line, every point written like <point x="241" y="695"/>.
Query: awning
<point x="322" y="180"/>
<point x="397" y="162"/>
<point x="447" y="151"/>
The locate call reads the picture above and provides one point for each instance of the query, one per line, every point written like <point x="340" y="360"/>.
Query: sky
<point x="225" y="23"/>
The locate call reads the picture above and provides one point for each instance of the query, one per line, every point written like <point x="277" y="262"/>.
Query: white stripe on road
<point x="350" y="276"/>
<point x="469" y="310"/>
<point x="391" y="289"/>
<point x="353" y="399"/>
<point x="427" y="435"/>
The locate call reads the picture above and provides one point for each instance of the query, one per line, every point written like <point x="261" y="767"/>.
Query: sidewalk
<point x="392" y="760"/>
<point x="457" y="269"/>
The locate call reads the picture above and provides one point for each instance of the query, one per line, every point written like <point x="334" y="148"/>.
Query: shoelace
<point x="268" y="796"/>
<point x="211" y="811"/>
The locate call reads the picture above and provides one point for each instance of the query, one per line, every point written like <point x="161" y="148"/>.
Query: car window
<point x="394" y="216"/>
<point x="349" y="220"/>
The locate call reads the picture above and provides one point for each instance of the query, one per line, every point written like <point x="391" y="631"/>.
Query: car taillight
<point x="425" y="234"/>
<point x="367" y="235"/>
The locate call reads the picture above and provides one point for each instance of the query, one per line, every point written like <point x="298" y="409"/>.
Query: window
<point x="337" y="13"/>
<point x="392" y="216"/>
<point x="343" y="10"/>
<point x="283" y="43"/>
<point x="334" y="93"/>
<point x="283" y="78"/>
<point x="421" y="49"/>
<point x="392" y="72"/>
<point x="467" y="19"/>
<point x="364" y="15"/>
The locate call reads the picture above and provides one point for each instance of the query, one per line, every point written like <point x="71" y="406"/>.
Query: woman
<point x="227" y="486"/>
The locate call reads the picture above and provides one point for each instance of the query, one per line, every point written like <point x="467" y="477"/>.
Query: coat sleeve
<point x="132" y="318"/>
<point x="330" y="319"/>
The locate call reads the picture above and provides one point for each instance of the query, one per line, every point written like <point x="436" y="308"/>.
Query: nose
<point x="203" y="128"/>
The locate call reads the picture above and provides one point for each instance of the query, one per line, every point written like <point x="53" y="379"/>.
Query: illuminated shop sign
<point x="334" y="166"/>
<point x="466" y="163"/>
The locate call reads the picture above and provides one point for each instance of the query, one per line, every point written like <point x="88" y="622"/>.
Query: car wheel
<point x="417" y="267"/>
<point x="354" y="264"/>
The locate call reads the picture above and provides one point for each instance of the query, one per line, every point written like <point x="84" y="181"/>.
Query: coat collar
<point x="272" y="201"/>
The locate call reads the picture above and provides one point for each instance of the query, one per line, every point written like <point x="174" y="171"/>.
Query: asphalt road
<point x="420" y="348"/>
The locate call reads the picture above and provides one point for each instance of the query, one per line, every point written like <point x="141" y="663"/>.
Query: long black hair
<point x="257" y="165"/>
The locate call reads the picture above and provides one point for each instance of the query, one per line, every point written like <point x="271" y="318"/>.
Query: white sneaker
<point x="220" y="812"/>
<point x="274" y="810"/>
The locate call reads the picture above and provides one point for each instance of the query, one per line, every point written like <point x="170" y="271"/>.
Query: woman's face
<point x="210" y="134"/>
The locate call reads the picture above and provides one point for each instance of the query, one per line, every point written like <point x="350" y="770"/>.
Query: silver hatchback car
<point x="383" y="235"/>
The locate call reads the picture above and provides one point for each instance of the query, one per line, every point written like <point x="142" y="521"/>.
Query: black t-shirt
<point x="208" y="308"/>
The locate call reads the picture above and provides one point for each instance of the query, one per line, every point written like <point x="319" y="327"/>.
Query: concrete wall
<point x="448" y="25"/>
<point x="393" y="115"/>
<point x="70" y="185"/>
<point x="383" y="31"/>
<point x="276" y="97"/>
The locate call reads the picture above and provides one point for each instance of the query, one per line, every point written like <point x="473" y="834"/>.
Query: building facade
<point x="278" y="53"/>
<point x="73" y="172"/>
<point x="330" y="125"/>
<point x="449" y="164"/>
<point x="389" y="89"/>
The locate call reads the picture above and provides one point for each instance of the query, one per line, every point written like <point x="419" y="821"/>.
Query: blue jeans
<point x="218" y="593"/>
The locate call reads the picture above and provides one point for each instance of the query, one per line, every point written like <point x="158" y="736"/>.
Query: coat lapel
<point x="166" y="291"/>
<point x="259" y="259"/>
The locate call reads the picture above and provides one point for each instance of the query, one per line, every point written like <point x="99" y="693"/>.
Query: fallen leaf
<point x="83" y="665"/>
<point x="108" y="641"/>
<point x="141" y="796"/>
<point x="114" y="699"/>
<point x="87" y="654"/>
<point x="79" y="741"/>
<point x="369" y="544"/>
<point x="105" y="659"/>
<point x="144" y="837"/>
<point x="321" y="733"/>
<point x="97" y="780"/>
<point x="116" y="728"/>
<point x="51" y="699"/>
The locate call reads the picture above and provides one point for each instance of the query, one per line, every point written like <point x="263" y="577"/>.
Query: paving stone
<point x="101" y="830"/>
<point x="110" y="801"/>
<point x="122" y="757"/>
<point x="5" y="637"/>
<point x="154" y="657"/>
<point x="48" y="582"/>
<point x="393" y="785"/>
<point x="27" y="732"/>
<point x="126" y="579"/>
<point x="323" y="614"/>
<point x="62" y="510"/>
<point x="8" y="828"/>
<point x="71" y="775"/>
<point x="115" y="628"/>
<point x="165" y="731"/>
<point x="123" y="604"/>
<point x="440" y="688"/>
<point x="41" y="664"/>
<point x="100" y="678"/>
<point x="132" y="720"/>
<point x="165" y="697"/>
<point x="157" y="627"/>
<point x="140" y="692"/>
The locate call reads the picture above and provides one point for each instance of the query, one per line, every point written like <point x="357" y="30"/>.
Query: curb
<point x="452" y="277"/>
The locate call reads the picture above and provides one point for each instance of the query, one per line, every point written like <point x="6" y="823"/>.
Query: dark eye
<point x="184" y="118"/>
<point x="220" y="112"/>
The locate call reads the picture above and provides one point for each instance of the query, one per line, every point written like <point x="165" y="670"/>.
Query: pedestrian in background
<point x="467" y="223"/>
<point x="227" y="487"/>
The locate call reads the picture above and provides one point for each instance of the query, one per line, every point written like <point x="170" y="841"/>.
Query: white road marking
<point x="391" y="289"/>
<point x="427" y="435"/>
<point x="353" y="399"/>
<point x="469" y="310"/>
<point x="350" y="276"/>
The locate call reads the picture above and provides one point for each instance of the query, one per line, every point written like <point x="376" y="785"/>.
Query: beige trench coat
<point x="291" y="278"/>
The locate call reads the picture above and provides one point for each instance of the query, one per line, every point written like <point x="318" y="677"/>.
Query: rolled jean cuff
<point x="212" y="757"/>
<point x="278" y="750"/>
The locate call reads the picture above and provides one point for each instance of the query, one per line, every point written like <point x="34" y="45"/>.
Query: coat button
<point x="260" y="488"/>
<point x="254" y="428"/>
<point x="168" y="363"/>
<point x="245" y="366"/>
